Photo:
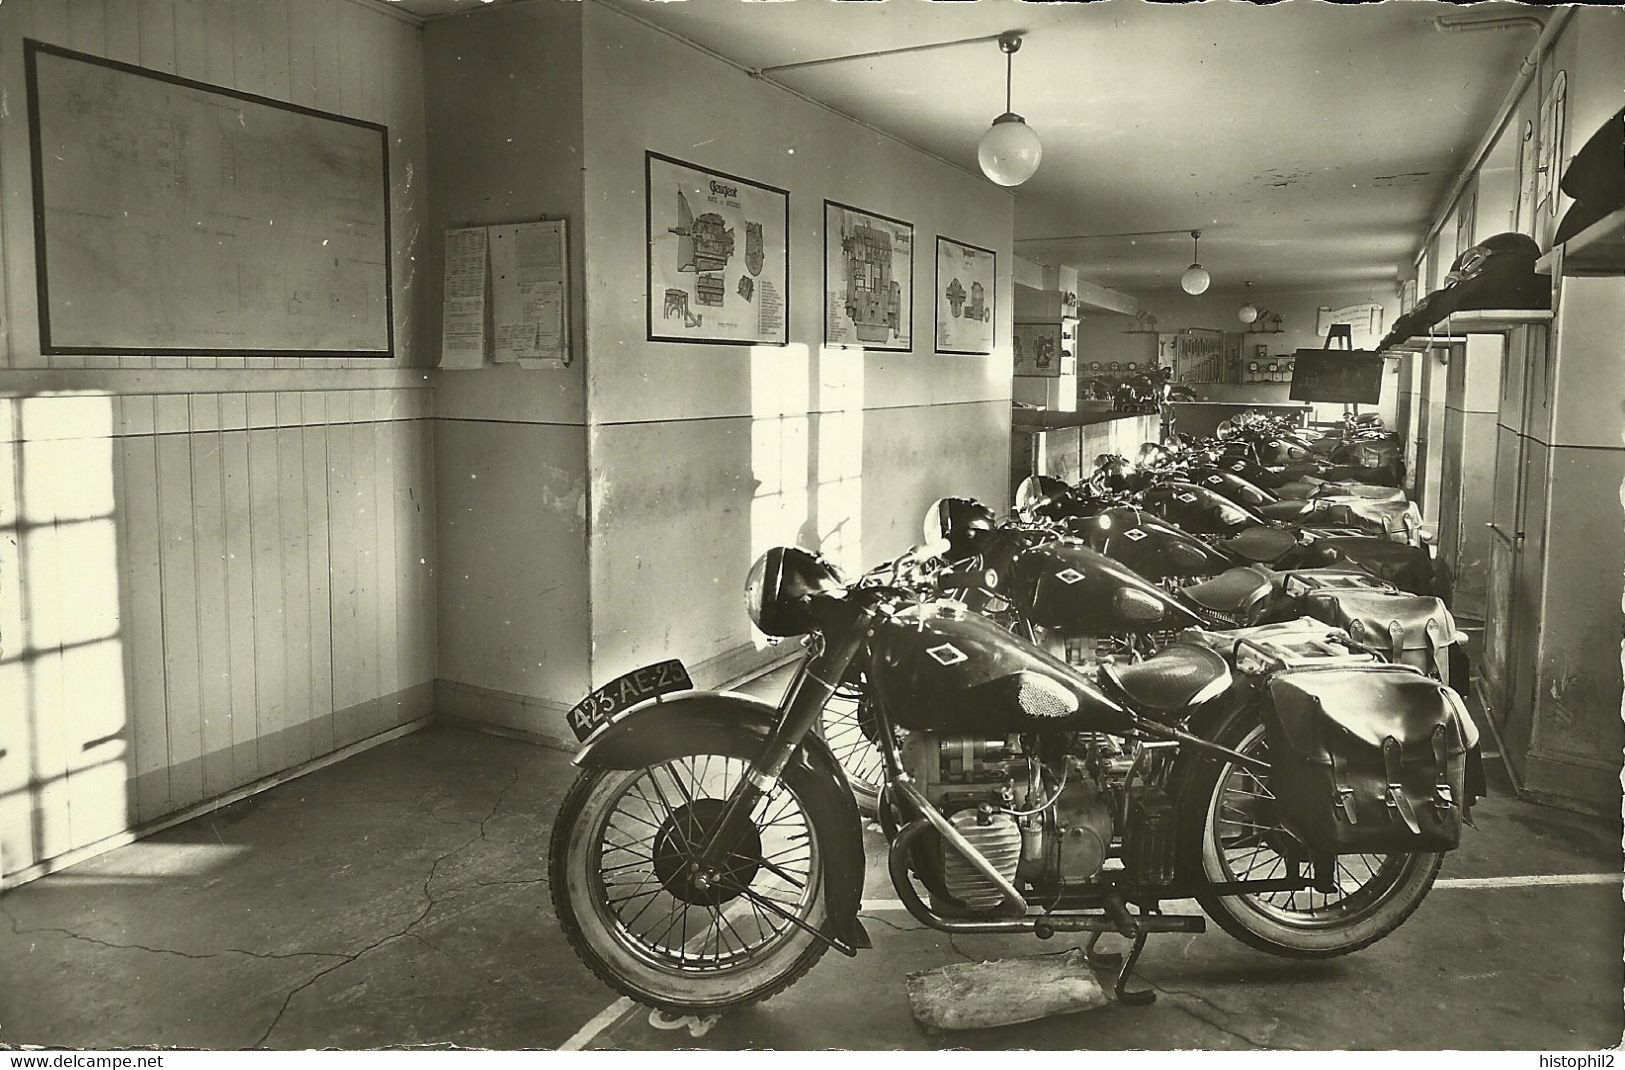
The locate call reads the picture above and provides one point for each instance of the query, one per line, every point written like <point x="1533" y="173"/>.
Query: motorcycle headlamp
<point x="1151" y="454"/>
<point x="1037" y="491"/>
<point x="1113" y="473"/>
<point x="959" y="522"/>
<point x="780" y="586"/>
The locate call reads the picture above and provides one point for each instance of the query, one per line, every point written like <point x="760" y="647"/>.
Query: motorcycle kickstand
<point x="1138" y="997"/>
<point x="1100" y="960"/>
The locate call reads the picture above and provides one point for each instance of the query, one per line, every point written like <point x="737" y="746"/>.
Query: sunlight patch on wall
<point x="838" y="477"/>
<point x="779" y="451"/>
<point x="63" y="749"/>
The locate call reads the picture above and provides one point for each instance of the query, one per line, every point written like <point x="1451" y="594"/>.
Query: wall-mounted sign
<point x="868" y="279"/>
<point x="966" y="277"/>
<point x="719" y="256"/>
<point x="1363" y="319"/>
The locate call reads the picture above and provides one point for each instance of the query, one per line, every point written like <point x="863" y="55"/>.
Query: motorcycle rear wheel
<point x="668" y="942"/>
<point x="1226" y="834"/>
<point x="852" y="736"/>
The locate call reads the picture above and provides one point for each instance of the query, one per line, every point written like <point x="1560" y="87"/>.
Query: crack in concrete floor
<point x="1181" y="1005"/>
<point x="18" y="930"/>
<point x="407" y="930"/>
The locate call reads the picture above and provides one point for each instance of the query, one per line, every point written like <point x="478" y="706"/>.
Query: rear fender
<point x="649" y="733"/>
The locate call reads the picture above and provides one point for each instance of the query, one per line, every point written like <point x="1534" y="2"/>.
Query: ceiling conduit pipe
<point x="1529" y="69"/>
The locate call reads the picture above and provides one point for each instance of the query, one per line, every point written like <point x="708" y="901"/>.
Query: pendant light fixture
<point x="1196" y="279"/>
<point x="1248" y="313"/>
<point x="1009" y="152"/>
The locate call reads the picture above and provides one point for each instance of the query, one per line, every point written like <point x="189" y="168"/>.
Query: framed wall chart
<point x="174" y="217"/>
<point x="965" y="281"/>
<point x="1038" y="350"/>
<point x="719" y="256"/>
<point x="868" y="279"/>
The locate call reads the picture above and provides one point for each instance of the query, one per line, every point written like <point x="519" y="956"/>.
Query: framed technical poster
<point x="1038" y="350"/>
<point x="966" y="275"/>
<point x="868" y="279"/>
<point x="719" y="256"/>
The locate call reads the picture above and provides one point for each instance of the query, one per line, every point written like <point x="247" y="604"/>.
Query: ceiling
<point x="1310" y="142"/>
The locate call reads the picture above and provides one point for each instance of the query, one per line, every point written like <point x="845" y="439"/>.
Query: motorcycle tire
<point x="662" y="976"/>
<point x="1289" y="925"/>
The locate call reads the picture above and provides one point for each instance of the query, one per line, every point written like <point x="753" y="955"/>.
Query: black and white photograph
<point x="492" y="568"/>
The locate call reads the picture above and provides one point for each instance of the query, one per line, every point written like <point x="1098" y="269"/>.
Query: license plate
<point x="623" y="692"/>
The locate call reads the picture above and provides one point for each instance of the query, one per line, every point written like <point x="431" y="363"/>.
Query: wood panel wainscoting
<point x="199" y="591"/>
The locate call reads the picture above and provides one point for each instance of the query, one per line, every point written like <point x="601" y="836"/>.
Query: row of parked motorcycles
<point x="1217" y="671"/>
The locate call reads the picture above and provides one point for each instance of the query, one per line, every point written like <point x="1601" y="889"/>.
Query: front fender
<point x="689" y="722"/>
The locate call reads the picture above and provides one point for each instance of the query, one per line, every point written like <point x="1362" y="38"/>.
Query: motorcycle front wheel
<point x="1229" y="833"/>
<point x="633" y="909"/>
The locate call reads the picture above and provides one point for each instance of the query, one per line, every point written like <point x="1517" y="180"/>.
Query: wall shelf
<point x="1495" y="320"/>
<point x="1422" y="343"/>
<point x="1597" y="250"/>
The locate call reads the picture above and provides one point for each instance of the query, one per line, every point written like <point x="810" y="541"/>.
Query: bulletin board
<point x="174" y="217"/>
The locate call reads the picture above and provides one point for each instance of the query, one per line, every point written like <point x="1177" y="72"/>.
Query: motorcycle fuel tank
<point x="938" y="667"/>
<point x="1232" y="485"/>
<point x="1063" y="584"/>
<point x="1237" y="459"/>
<point x="1198" y="510"/>
<point x="1147" y="544"/>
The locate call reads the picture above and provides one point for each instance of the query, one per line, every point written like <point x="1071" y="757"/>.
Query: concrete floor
<point x="399" y="898"/>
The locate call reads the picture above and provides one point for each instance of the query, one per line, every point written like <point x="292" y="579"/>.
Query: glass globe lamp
<point x="1010" y="151"/>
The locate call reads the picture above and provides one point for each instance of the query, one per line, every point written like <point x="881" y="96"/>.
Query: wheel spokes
<point x="663" y="906"/>
<point x="1251" y="845"/>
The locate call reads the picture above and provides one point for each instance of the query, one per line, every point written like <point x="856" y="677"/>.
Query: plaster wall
<point x="701" y="456"/>
<point x="506" y="145"/>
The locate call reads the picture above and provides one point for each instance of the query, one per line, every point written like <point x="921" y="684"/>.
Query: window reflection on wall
<point x="63" y="734"/>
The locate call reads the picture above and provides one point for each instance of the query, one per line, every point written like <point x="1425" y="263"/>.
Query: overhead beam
<point x="1102" y="299"/>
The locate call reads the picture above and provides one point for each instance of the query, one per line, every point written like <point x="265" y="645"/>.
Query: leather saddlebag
<point x="1394" y="521"/>
<point x="1288" y="641"/>
<point x="1367" y="759"/>
<point x="1414" y="630"/>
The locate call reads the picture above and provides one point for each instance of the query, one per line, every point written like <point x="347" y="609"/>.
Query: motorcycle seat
<point x="1260" y="544"/>
<point x="1285" y="509"/>
<point x="1230" y="591"/>
<point x="1178" y="679"/>
<point x="1365" y="491"/>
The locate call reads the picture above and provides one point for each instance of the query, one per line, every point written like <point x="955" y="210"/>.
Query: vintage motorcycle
<point x="710" y="851"/>
<point x="1086" y="590"/>
<point x="1235" y="534"/>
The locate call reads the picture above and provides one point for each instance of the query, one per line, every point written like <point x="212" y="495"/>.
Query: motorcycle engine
<point x="1033" y="829"/>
